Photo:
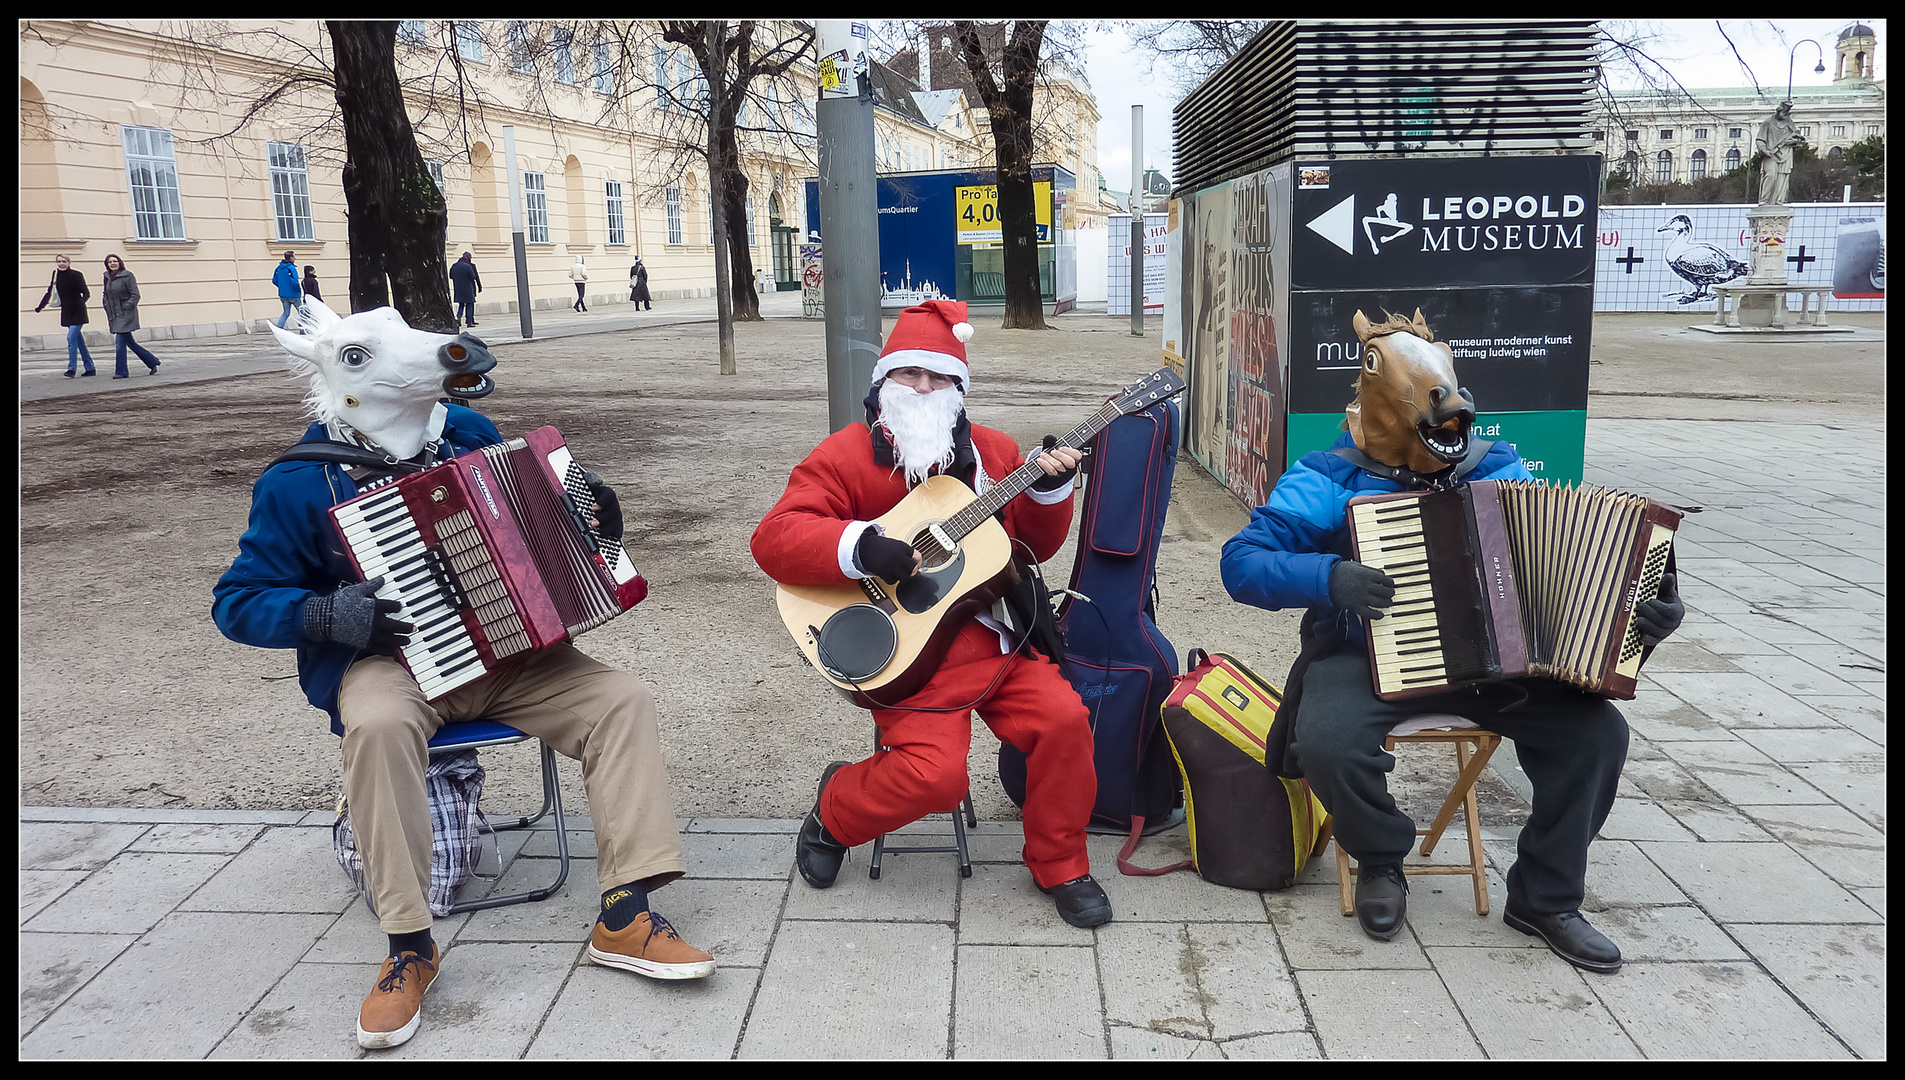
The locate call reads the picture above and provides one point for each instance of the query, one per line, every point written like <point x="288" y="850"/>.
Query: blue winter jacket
<point x="1283" y="558"/>
<point x="285" y="277"/>
<point x="290" y="552"/>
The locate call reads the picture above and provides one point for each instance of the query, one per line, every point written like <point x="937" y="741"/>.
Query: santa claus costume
<point x="821" y="532"/>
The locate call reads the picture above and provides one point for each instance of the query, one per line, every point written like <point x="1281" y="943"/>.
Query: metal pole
<point x="516" y="229"/>
<point x="849" y="220"/>
<point x="1137" y="221"/>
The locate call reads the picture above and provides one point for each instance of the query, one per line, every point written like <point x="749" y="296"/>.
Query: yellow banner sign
<point x="976" y="210"/>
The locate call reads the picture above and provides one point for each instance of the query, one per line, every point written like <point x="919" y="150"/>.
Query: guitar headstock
<point x="1148" y="391"/>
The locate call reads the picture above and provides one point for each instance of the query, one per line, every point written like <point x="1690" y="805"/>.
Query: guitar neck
<point x="1025" y="475"/>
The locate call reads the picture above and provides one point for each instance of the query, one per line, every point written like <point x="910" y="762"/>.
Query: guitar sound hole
<point x="931" y="555"/>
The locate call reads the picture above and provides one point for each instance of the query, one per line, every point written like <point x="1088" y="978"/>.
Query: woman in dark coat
<point x="311" y="284"/>
<point x="119" y="295"/>
<point x="638" y="286"/>
<point x="71" y="285"/>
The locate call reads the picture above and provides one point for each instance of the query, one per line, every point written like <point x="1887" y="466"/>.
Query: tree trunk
<point x="398" y="221"/>
<point x="1009" y="106"/>
<point x="717" y="190"/>
<point x="747" y="303"/>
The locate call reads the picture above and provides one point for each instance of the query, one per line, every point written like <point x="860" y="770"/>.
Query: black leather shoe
<point x="1081" y="902"/>
<point x="1568" y="935"/>
<point x="1382" y="898"/>
<point x="816" y="853"/>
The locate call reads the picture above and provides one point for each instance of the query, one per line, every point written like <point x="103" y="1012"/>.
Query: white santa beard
<point x="921" y="426"/>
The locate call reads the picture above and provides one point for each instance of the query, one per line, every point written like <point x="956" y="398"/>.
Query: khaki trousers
<point x="585" y="710"/>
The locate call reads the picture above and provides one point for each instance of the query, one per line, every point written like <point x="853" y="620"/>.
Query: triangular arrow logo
<point x="1338" y="225"/>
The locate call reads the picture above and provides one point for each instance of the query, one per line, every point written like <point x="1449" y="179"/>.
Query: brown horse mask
<point x="1408" y="410"/>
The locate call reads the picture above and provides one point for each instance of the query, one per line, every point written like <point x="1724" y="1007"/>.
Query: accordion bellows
<point x="1506" y="579"/>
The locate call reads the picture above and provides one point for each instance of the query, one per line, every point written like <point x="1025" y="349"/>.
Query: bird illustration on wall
<point x="1700" y="265"/>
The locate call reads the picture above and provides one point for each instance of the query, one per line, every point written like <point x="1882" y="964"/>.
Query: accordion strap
<point x="1409" y="478"/>
<point x="345" y="454"/>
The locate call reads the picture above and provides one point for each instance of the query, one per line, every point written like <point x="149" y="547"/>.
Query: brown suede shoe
<point x="649" y="946"/>
<point x="394" y="1009"/>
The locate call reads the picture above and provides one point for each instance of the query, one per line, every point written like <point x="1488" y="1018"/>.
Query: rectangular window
<point x="617" y="234"/>
<point x="1838" y="131"/>
<point x="436" y="175"/>
<point x="1871" y="130"/>
<point x="536" y="203"/>
<point x="290" y="190"/>
<point x="1733" y="133"/>
<point x="469" y="41"/>
<point x="661" y="78"/>
<point x="1633" y="136"/>
<point x="774" y="106"/>
<point x="1666" y="133"/>
<point x="674" y="216"/>
<point x="748" y="206"/>
<point x="519" y="61"/>
<point x="604" y="67"/>
<point x="413" y="32"/>
<point x="1699" y="133"/>
<point x="153" y="174"/>
<point x="565" y="56"/>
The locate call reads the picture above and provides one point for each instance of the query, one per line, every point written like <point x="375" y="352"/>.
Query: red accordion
<point x="491" y="555"/>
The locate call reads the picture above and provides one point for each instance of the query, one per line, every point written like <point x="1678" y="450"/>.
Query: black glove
<point x="884" y="557"/>
<point x="608" y="508"/>
<point x="1053" y="483"/>
<point x="1660" y="616"/>
<point x="354" y="616"/>
<point x="1361" y="588"/>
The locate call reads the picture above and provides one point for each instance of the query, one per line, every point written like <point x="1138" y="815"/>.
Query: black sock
<point x="621" y="904"/>
<point x="418" y="942"/>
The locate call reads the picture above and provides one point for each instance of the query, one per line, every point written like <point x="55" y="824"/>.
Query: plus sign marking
<point x="1628" y="262"/>
<point x="1802" y="258"/>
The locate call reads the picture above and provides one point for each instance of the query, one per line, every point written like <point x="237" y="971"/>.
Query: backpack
<point x="1111" y="649"/>
<point x="1250" y="828"/>
<point x="453" y="783"/>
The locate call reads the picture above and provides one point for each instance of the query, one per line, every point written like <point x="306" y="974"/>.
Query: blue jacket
<point x="291" y="552"/>
<point x="285" y="277"/>
<point x="1283" y="558"/>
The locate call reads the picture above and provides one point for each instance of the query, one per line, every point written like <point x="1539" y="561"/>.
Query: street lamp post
<point x="1820" y="70"/>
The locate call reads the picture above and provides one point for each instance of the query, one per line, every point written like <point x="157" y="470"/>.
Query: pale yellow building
<point x="121" y="153"/>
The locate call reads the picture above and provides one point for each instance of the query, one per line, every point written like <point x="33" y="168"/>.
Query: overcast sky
<point x="1693" y="49"/>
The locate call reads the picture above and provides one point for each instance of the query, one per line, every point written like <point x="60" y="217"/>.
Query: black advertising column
<point x="1498" y="254"/>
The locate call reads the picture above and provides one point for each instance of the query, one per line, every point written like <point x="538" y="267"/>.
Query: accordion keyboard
<point x="387" y="542"/>
<point x="1405" y="645"/>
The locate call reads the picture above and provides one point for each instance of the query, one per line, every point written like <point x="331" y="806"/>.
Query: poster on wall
<point x="812" y="283"/>
<point x="1206" y="272"/>
<point x="1118" y="263"/>
<point x="1260" y="205"/>
<point x="1174" y="288"/>
<point x="1668" y="258"/>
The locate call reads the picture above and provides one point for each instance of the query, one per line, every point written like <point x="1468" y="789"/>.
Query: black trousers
<point x="1571" y="746"/>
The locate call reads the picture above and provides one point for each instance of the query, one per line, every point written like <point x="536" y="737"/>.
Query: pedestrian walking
<point x="580" y="275"/>
<point x="119" y="296"/>
<point x="638" y="286"/>
<point x="465" y="283"/>
<point x="311" y="284"/>
<point x="73" y="294"/>
<point x="285" y="277"/>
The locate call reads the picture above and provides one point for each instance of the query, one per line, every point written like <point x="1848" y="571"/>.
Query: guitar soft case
<point x="1115" y="656"/>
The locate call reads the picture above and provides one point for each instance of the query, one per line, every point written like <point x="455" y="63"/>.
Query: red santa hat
<point x="933" y="336"/>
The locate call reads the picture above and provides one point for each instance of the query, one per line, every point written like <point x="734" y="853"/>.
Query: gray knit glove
<point x="354" y="616"/>
<point x="1361" y="588"/>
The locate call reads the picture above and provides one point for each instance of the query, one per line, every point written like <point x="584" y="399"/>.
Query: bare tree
<point x="1189" y="48"/>
<point x="1007" y="96"/>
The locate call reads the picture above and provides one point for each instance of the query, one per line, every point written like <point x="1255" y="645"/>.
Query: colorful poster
<point x="812" y="283"/>
<point x="976" y="212"/>
<point x="1206" y="270"/>
<point x="1118" y="263"/>
<point x="1260" y="207"/>
<point x="1668" y="258"/>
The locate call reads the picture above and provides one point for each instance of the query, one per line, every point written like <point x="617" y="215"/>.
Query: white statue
<point x="1776" y="138"/>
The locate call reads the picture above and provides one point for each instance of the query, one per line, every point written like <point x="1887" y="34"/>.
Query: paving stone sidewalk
<point x="1742" y="872"/>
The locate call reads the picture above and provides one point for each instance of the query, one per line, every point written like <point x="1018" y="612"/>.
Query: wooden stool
<point x="1473" y="747"/>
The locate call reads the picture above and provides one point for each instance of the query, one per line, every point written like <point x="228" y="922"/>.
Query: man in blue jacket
<point x="290" y="290"/>
<point x="375" y="390"/>
<point x="1408" y="428"/>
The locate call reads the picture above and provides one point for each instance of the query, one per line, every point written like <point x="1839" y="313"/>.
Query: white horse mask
<point x="371" y="372"/>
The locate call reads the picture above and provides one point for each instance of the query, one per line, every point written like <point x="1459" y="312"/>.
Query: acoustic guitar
<point x="879" y="642"/>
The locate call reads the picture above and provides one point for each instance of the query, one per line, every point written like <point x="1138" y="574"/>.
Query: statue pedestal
<point x="1769" y="224"/>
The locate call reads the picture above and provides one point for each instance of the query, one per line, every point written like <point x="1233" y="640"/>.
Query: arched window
<point x="1633" y="167"/>
<point x="1732" y="159"/>
<point x="1697" y="168"/>
<point x="1663" y="167"/>
<point x="1837" y="151"/>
